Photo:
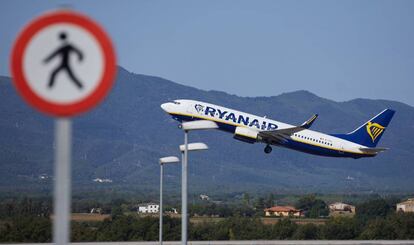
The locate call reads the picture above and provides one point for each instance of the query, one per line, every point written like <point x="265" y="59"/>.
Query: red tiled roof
<point x="282" y="209"/>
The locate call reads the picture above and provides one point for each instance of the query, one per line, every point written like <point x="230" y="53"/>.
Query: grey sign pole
<point x="161" y="208"/>
<point x="184" y="191"/>
<point x="62" y="188"/>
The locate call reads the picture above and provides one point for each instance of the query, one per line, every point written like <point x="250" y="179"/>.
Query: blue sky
<point x="339" y="50"/>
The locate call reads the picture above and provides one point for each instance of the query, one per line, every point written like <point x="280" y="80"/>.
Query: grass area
<point x="200" y="220"/>
<point x="299" y="221"/>
<point x="87" y="217"/>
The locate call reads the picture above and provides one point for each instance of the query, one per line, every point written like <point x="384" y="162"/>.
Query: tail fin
<point x="369" y="134"/>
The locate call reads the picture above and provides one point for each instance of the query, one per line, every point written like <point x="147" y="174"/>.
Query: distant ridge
<point x="122" y="139"/>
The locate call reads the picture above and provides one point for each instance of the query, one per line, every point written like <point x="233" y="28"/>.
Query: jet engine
<point x="246" y="135"/>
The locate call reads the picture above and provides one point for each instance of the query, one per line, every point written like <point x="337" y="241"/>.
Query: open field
<point x="299" y="221"/>
<point x="200" y="220"/>
<point x="266" y="221"/>
<point x="87" y="217"/>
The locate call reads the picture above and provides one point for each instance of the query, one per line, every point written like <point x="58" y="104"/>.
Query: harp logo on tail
<point x="374" y="130"/>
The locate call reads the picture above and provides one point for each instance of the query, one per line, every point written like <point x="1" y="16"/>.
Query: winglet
<point x="309" y="122"/>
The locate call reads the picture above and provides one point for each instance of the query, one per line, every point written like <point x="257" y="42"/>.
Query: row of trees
<point x="28" y="220"/>
<point x="129" y="228"/>
<point x="313" y="207"/>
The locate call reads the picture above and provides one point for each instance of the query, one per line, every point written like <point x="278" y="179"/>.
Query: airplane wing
<point x="372" y="150"/>
<point x="281" y="135"/>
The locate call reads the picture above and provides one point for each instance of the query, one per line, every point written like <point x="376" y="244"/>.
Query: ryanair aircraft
<point x="249" y="128"/>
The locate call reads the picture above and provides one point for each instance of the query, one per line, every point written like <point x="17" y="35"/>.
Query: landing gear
<point x="268" y="149"/>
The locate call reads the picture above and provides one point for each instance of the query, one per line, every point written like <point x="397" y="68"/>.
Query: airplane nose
<point x="166" y="107"/>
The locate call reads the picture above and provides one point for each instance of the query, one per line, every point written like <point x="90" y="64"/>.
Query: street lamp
<point x="188" y="126"/>
<point x="162" y="161"/>
<point x="194" y="147"/>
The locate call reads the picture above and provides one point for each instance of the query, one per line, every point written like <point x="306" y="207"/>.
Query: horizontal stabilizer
<point x="372" y="150"/>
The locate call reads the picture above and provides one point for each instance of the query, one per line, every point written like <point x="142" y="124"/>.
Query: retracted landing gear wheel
<point x="268" y="149"/>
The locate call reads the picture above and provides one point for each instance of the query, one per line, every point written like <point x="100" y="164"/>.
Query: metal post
<point x="62" y="188"/>
<point x="161" y="209"/>
<point x="184" y="192"/>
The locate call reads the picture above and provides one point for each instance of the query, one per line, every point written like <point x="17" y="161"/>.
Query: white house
<point x="407" y="206"/>
<point x="283" y="211"/>
<point x="148" y="208"/>
<point x="204" y="197"/>
<point x="96" y="211"/>
<point x="172" y="211"/>
<point x="339" y="208"/>
<point x="99" y="180"/>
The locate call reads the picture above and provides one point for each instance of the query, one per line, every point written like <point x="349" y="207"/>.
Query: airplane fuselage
<point x="228" y="120"/>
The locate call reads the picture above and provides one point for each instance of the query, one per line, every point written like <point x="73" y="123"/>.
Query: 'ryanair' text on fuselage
<point x="235" y="118"/>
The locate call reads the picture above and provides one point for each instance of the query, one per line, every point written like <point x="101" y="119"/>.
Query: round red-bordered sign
<point x="104" y="83"/>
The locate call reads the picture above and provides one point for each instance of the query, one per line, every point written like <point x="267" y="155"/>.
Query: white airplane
<point x="250" y="128"/>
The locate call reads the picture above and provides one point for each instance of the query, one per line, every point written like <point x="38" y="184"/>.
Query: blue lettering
<point x="210" y="111"/>
<point x="271" y="126"/>
<point x="245" y="120"/>
<point x="232" y="117"/>
<point x="263" y="125"/>
<point x="221" y="114"/>
<point x="255" y="123"/>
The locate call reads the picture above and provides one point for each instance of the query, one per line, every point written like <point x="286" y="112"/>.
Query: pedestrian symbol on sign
<point x="63" y="63"/>
<point x="64" y="52"/>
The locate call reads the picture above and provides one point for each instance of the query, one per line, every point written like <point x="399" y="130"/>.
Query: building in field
<point x="407" y="206"/>
<point x="204" y="197"/>
<point x="283" y="211"/>
<point x="148" y="208"/>
<point x="171" y="211"/>
<point x="341" y="209"/>
<point x="96" y="211"/>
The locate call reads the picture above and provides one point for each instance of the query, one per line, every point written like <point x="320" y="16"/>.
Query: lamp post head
<point x="198" y="125"/>
<point x="194" y="147"/>
<point x="170" y="159"/>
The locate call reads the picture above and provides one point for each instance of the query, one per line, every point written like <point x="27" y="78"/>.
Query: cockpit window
<point x="176" y="102"/>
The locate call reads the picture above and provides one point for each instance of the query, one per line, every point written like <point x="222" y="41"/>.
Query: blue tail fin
<point x="369" y="134"/>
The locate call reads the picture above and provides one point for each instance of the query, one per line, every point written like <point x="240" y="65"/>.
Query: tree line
<point x="28" y="220"/>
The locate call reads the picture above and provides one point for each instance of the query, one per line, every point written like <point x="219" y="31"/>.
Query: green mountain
<point x="123" y="138"/>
